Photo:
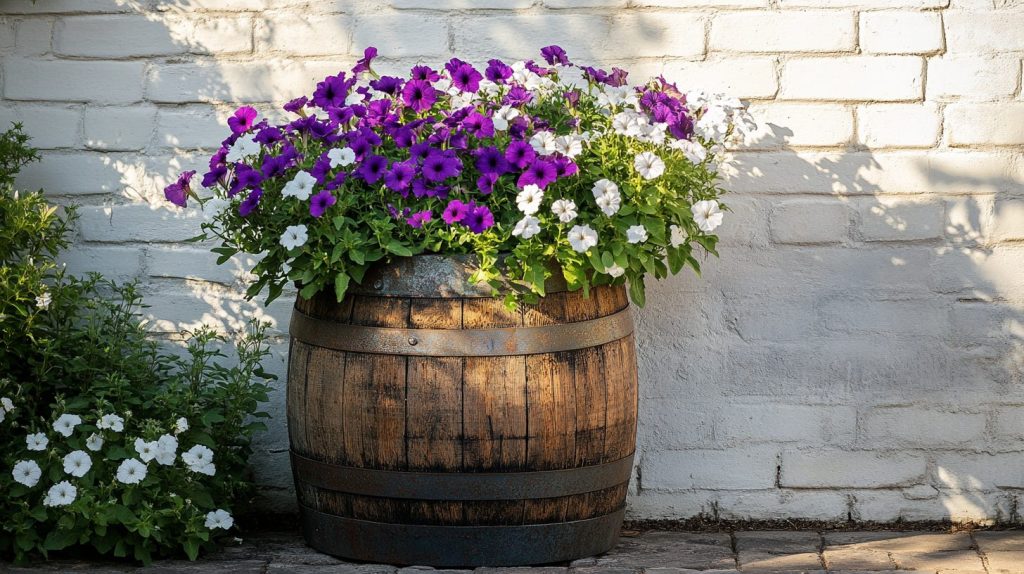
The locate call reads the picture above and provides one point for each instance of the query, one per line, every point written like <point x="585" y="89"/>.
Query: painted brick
<point x="101" y="82"/>
<point x="191" y="305"/>
<point x="1008" y="220"/>
<point x="305" y="35"/>
<point x="801" y="125"/>
<point x="117" y="37"/>
<point x="216" y="5"/>
<point x="851" y="469"/>
<point x="50" y="127"/>
<point x="810" y="222"/>
<point x="62" y="6"/>
<point x="1010" y="422"/>
<point x="118" y="129"/>
<point x="981" y="471"/>
<point x="236" y="82"/>
<point x="79" y="173"/>
<point x="900" y="32"/>
<point x="772" y="32"/>
<point x="854" y="78"/>
<point x="558" y="4"/>
<point x="699" y="4"/>
<point x="190" y="263"/>
<point x="914" y="426"/>
<point x="741" y="77"/>
<point x="995" y="32"/>
<point x="787" y="423"/>
<point x="857" y="315"/>
<point x="463" y="4"/>
<point x="888" y="220"/>
<point x="898" y="125"/>
<point x="402" y="35"/>
<point x="193" y="127"/>
<point x="985" y="124"/>
<point x="653" y="35"/>
<point x="114" y="262"/>
<point x="6" y="35"/>
<point x="221" y="36"/>
<point x="735" y="468"/>
<point x="34" y="36"/>
<point x="137" y="222"/>
<point x="867" y="4"/>
<point x="517" y="37"/>
<point x="981" y="77"/>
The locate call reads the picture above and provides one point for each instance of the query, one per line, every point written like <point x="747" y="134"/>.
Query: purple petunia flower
<point x="319" y="203"/>
<point x="498" y="71"/>
<point x="335" y="183"/>
<point x="617" y="78"/>
<point x="439" y="166"/>
<point x="400" y="176"/>
<point x="321" y="169"/>
<point x="572" y="97"/>
<point x="517" y="96"/>
<point x="491" y="161"/>
<point x="419" y="218"/>
<point x="250" y="202"/>
<point x="177" y="192"/>
<point x="363" y="65"/>
<point x="268" y="135"/>
<point x="373" y="168"/>
<point x="455" y="212"/>
<point x="479" y="219"/>
<point x="479" y="125"/>
<point x="533" y="67"/>
<point x="520" y="154"/>
<point x="420" y="151"/>
<point x="245" y="177"/>
<point x="404" y="137"/>
<point x="565" y="167"/>
<point x="387" y="84"/>
<point x="425" y="73"/>
<point x="419" y="95"/>
<point x="554" y="55"/>
<point x="243" y="119"/>
<point x="466" y="78"/>
<point x="540" y="173"/>
<point x="295" y="106"/>
<point x="331" y="92"/>
<point x="485" y="183"/>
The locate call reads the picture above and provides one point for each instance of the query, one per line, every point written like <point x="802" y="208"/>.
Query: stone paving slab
<point x="653" y="552"/>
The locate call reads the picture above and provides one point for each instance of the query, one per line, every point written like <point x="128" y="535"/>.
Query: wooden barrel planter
<point x="429" y="425"/>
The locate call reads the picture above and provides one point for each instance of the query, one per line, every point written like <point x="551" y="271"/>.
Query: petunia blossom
<point x="707" y="215"/>
<point x="243" y="119"/>
<point x="320" y="202"/>
<point x="582" y="238"/>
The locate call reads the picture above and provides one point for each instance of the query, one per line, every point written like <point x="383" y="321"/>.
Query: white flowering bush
<point x="107" y="441"/>
<point x="531" y="167"/>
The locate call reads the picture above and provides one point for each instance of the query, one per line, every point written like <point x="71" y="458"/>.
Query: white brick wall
<point x="857" y="349"/>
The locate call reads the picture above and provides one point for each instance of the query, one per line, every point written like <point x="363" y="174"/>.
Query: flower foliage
<point x="532" y="167"/>
<point x="97" y="422"/>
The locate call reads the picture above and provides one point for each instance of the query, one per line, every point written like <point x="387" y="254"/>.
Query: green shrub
<point x="108" y="440"/>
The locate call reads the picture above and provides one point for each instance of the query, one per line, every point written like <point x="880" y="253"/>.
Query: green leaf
<point x="357" y="256"/>
<point x="212" y="416"/>
<point x="60" y="539"/>
<point x="191" y="547"/>
<point x="396" y="247"/>
<point x="340" y="285"/>
<point x="308" y="291"/>
<point x="636" y="290"/>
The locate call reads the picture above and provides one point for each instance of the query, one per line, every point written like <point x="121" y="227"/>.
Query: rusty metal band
<point x="449" y="546"/>
<point x="460" y="343"/>
<point x="461" y="485"/>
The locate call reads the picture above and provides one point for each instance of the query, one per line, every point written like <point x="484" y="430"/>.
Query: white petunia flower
<point x="198" y="458"/>
<point x="615" y="270"/>
<point x="244" y="148"/>
<point x="43" y="301"/>
<point x="528" y="200"/>
<point x="294" y="236"/>
<point x="27" y="472"/>
<point x="146" y="450"/>
<point x="693" y="151"/>
<point x="636" y="234"/>
<point x="527" y="227"/>
<point x="215" y="206"/>
<point x="65" y="424"/>
<point x="111" y="422"/>
<point x="180" y="425"/>
<point x="94" y="442"/>
<point x="219" y="519"/>
<point x="707" y="215"/>
<point x="582" y="238"/>
<point x="648" y="165"/>
<point x="624" y="123"/>
<point x="6" y="404"/>
<point x="678" y="236"/>
<point x="609" y="204"/>
<point x="543" y="142"/>
<point x="131" y="471"/>
<point x="166" y="450"/>
<point x="565" y="209"/>
<point x="300" y="186"/>
<point x="208" y="469"/>
<point x="503" y="116"/>
<point x="36" y="441"/>
<point x="341" y="156"/>
<point x="604" y="187"/>
<point x="61" y="494"/>
<point x="569" y="146"/>
<point x="77" y="463"/>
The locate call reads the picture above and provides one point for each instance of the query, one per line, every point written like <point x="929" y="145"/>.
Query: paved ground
<point x="654" y="552"/>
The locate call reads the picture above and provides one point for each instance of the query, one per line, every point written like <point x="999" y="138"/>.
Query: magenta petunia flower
<point x="479" y="125"/>
<point x="479" y="219"/>
<point x="177" y="192"/>
<point x="425" y="73"/>
<point x="419" y="95"/>
<point x="540" y="173"/>
<point x="466" y="78"/>
<point x="554" y="55"/>
<point x="520" y="154"/>
<point x="250" y="202"/>
<point x="363" y="65"/>
<point x="419" y="218"/>
<point x="455" y="212"/>
<point x="319" y="203"/>
<point x="565" y="167"/>
<point x="243" y="119"/>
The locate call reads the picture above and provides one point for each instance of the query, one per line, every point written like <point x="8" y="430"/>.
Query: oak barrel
<point x="430" y="425"/>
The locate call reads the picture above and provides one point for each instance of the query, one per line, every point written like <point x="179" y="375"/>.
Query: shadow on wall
<point x="842" y="359"/>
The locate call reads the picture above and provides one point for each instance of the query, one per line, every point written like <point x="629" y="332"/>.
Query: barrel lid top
<point x="431" y="275"/>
